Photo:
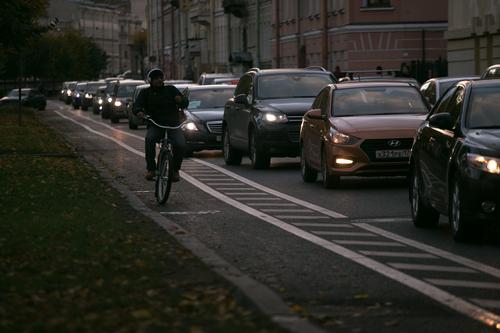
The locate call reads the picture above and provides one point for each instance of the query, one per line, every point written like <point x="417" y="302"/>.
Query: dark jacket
<point x="159" y="103"/>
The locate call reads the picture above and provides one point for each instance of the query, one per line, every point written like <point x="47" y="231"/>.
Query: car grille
<point x="215" y="126"/>
<point x="372" y="145"/>
<point x="294" y="128"/>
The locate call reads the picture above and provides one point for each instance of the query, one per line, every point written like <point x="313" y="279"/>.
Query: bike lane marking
<point x="456" y="303"/>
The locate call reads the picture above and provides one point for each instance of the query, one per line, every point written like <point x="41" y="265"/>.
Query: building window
<point x="376" y="3"/>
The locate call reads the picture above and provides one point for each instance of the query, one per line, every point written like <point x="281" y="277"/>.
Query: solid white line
<point x="302" y="217"/>
<point x="234" y="189"/>
<point x="375" y="243"/>
<point x="381" y="220"/>
<point x="399" y="254"/>
<point x="437" y="294"/>
<point x="430" y="249"/>
<point x="109" y="127"/>
<point x="487" y="303"/>
<point x="229" y="183"/>
<point x="143" y="191"/>
<point x="431" y="268"/>
<point x="205" y="212"/>
<point x="271" y="191"/>
<point x="324" y="225"/>
<point x="218" y="178"/>
<point x="464" y="284"/>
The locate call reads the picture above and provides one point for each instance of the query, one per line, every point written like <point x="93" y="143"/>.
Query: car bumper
<point x="200" y="140"/>
<point x="119" y="112"/>
<point x="363" y="165"/>
<point x="480" y="189"/>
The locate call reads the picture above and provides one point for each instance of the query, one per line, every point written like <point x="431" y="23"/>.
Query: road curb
<point x="263" y="297"/>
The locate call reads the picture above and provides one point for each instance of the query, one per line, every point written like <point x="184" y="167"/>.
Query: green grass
<point x="75" y="257"/>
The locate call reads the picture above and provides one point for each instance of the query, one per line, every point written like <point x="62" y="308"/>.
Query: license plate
<point x="218" y="138"/>
<point x="392" y="153"/>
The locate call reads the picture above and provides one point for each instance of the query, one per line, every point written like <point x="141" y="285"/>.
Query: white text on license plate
<point x="392" y="153"/>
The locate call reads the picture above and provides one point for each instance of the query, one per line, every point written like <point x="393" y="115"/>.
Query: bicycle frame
<point x="164" y="165"/>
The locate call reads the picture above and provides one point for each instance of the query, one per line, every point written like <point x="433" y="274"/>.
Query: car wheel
<point x="461" y="226"/>
<point x="231" y="155"/>
<point x="105" y="114"/>
<point x="309" y="175"/>
<point x="259" y="158"/>
<point x="329" y="180"/>
<point x="423" y="215"/>
<point x="84" y="108"/>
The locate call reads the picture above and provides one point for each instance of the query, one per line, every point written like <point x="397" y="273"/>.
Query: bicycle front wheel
<point x="164" y="176"/>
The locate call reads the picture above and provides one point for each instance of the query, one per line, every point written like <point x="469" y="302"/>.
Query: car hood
<point x="207" y="115"/>
<point x="291" y="107"/>
<point x="485" y="139"/>
<point x="379" y="126"/>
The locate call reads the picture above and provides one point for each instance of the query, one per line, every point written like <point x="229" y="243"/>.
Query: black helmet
<point x="154" y="73"/>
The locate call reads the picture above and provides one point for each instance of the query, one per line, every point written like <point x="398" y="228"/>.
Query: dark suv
<point x="264" y="116"/>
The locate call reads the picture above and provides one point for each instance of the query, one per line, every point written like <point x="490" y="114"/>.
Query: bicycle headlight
<point x="190" y="126"/>
<point x="118" y="103"/>
<point x="484" y="163"/>
<point x="341" y="138"/>
<point x="274" y="117"/>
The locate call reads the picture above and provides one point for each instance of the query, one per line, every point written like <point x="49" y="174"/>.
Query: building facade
<point x="359" y="35"/>
<point x="111" y="27"/>
<point x="473" y="36"/>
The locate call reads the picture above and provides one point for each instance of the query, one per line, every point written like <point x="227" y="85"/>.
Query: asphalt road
<point x="349" y="258"/>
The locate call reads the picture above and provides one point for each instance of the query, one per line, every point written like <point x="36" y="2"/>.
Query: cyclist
<point x="164" y="104"/>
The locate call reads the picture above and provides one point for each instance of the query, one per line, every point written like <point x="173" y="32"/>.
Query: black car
<point x="434" y="88"/>
<point x="29" y="97"/>
<point x="203" y="129"/>
<point x="263" y="119"/>
<point x="89" y="94"/>
<point x="455" y="160"/>
<point x="491" y="73"/>
<point x="78" y="94"/>
<point x="122" y="97"/>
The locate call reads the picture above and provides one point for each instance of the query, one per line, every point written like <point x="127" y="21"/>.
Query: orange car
<point x="360" y="129"/>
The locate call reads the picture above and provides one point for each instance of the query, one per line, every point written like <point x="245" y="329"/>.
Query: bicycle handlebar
<point x="148" y="118"/>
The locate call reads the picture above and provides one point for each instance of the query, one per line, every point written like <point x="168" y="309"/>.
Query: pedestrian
<point x="164" y="104"/>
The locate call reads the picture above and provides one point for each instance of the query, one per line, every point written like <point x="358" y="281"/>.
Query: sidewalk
<point x="75" y="256"/>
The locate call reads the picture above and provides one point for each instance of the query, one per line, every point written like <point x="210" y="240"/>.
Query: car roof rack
<point x="316" y="68"/>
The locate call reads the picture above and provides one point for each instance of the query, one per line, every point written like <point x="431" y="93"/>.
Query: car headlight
<point x="274" y="117"/>
<point x="118" y="103"/>
<point x="88" y="96"/>
<point x="68" y="92"/>
<point x="110" y="100"/>
<point x="190" y="126"/>
<point x="484" y="163"/>
<point x="341" y="138"/>
<point x="99" y="101"/>
<point x="77" y="95"/>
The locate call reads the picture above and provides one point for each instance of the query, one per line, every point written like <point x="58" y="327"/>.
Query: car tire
<point x="231" y="155"/>
<point x="329" y="180"/>
<point x="84" y="108"/>
<point x="461" y="226"/>
<point x="260" y="159"/>
<point x="105" y="114"/>
<point x="95" y="110"/>
<point x="423" y="215"/>
<point x="309" y="175"/>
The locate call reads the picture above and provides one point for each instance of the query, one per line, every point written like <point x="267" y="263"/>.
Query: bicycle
<point x="164" y="165"/>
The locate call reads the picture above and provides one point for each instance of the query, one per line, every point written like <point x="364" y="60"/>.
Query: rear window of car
<point x="484" y="109"/>
<point x="294" y="85"/>
<point x="377" y="101"/>
<point x="209" y="99"/>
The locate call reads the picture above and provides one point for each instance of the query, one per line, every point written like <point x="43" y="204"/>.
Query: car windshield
<point x="291" y="85"/>
<point x="125" y="91"/>
<point x="92" y="87"/>
<point x="209" y="99"/>
<point x="15" y="93"/>
<point x="484" y="109"/>
<point x="377" y="100"/>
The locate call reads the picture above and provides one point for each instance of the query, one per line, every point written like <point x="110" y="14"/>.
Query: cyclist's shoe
<point x="175" y="176"/>
<point x="150" y="175"/>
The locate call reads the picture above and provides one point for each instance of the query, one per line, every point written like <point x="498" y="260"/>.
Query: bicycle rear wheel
<point x="164" y="177"/>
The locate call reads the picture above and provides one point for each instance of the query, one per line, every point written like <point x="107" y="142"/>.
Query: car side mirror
<point x="441" y="120"/>
<point x="315" y="114"/>
<point x="241" y="99"/>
